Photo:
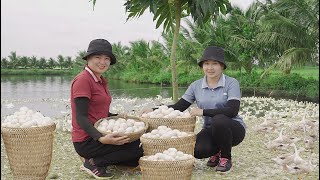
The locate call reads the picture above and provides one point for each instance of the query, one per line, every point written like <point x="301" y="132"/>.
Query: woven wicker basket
<point x="133" y="136"/>
<point x="166" y="170"/>
<point x="182" y="124"/>
<point x="156" y="145"/>
<point x="29" y="150"/>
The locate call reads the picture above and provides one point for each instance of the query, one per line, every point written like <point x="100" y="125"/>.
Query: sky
<point x="48" y="28"/>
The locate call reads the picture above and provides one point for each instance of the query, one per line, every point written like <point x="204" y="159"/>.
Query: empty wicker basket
<point x="156" y="145"/>
<point x="182" y="124"/>
<point x="133" y="136"/>
<point x="166" y="170"/>
<point x="29" y="150"/>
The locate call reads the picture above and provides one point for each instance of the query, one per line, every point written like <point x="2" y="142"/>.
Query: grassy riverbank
<point x="302" y="83"/>
<point x="305" y="72"/>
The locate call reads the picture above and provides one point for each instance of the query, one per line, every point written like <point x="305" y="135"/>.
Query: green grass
<point x="308" y="71"/>
<point x="36" y="71"/>
<point x="305" y="71"/>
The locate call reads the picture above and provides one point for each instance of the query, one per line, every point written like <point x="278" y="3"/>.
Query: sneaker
<point x="224" y="165"/>
<point x="96" y="171"/>
<point x="214" y="160"/>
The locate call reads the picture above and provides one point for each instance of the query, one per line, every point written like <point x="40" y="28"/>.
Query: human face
<point x="99" y="64"/>
<point x="212" y="69"/>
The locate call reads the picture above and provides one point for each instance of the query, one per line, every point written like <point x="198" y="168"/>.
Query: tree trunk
<point x="248" y="67"/>
<point x="287" y="70"/>
<point x="173" y="56"/>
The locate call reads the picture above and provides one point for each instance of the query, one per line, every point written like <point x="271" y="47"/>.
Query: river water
<point x="45" y="93"/>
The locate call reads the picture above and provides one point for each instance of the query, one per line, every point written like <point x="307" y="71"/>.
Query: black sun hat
<point x="213" y="53"/>
<point x="99" y="47"/>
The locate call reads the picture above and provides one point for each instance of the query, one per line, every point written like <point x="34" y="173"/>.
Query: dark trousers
<point x="220" y="136"/>
<point x="106" y="154"/>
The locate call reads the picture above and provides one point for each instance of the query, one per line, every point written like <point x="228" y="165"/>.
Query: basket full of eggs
<point x="132" y="126"/>
<point x="28" y="139"/>
<point x="169" y="117"/>
<point x="164" y="137"/>
<point x="170" y="164"/>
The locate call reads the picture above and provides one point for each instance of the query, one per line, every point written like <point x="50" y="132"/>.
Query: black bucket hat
<point x="213" y="53"/>
<point x="99" y="47"/>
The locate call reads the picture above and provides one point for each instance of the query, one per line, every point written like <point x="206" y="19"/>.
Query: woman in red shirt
<point x="90" y="101"/>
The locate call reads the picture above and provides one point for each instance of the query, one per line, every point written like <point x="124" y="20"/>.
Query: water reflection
<point x="26" y="87"/>
<point x="41" y="92"/>
<point x="21" y="87"/>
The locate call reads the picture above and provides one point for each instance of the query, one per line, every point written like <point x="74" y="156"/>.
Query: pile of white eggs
<point x="165" y="112"/>
<point x="120" y="125"/>
<point x="171" y="154"/>
<point x="165" y="133"/>
<point x="26" y="118"/>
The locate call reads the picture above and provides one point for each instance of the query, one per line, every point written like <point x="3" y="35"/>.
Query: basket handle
<point x="132" y="117"/>
<point x="128" y="116"/>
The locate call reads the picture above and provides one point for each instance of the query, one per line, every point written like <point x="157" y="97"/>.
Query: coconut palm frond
<point x="290" y="57"/>
<point x="300" y="10"/>
<point x="279" y="23"/>
<point x="275" y="39"/>
<point x="187" y="31"/>
<point x="244" y="42"/>
<point x="296" y="55"/>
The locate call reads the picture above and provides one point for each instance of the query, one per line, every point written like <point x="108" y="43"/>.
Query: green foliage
<point x="292" y="84"/>
<point x="162" y="77"/>
<point x="164" y="11"/>
<point x="23" y="72"/>
<point x="290" y="29"/>
<point x="246" y="79"/>
<point x="312" y="88"/>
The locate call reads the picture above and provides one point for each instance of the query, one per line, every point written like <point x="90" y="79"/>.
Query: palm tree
<point x="51" y="63"/>
<point x="79" y="62"/>
<point x="121" y="53"/>
<point x="60" y="60"/>
<point x="292" y="28"/>
<point x="4" y="63"/>
<point x="13" y="59"/>
<point x="42" y="63"/>
<point x="33" y="62"/>
<point x="158" y="56"/>
<point x="201" y="34"/>
<point x="169" y="14"/>
<point x="24" y="61"/>
<point x="139" y="52"/>
<point x="194" y="40"/>
<point x="242" y="28"/>
<point x="68" y="62"/>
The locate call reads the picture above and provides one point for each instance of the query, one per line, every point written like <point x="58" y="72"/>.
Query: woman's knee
<point x="201" y="151"/>
<point x="138" y="149"/>
<point x="221" y="120"/>
<point x="198" y="153"/>
<point x="140" y="152"/>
